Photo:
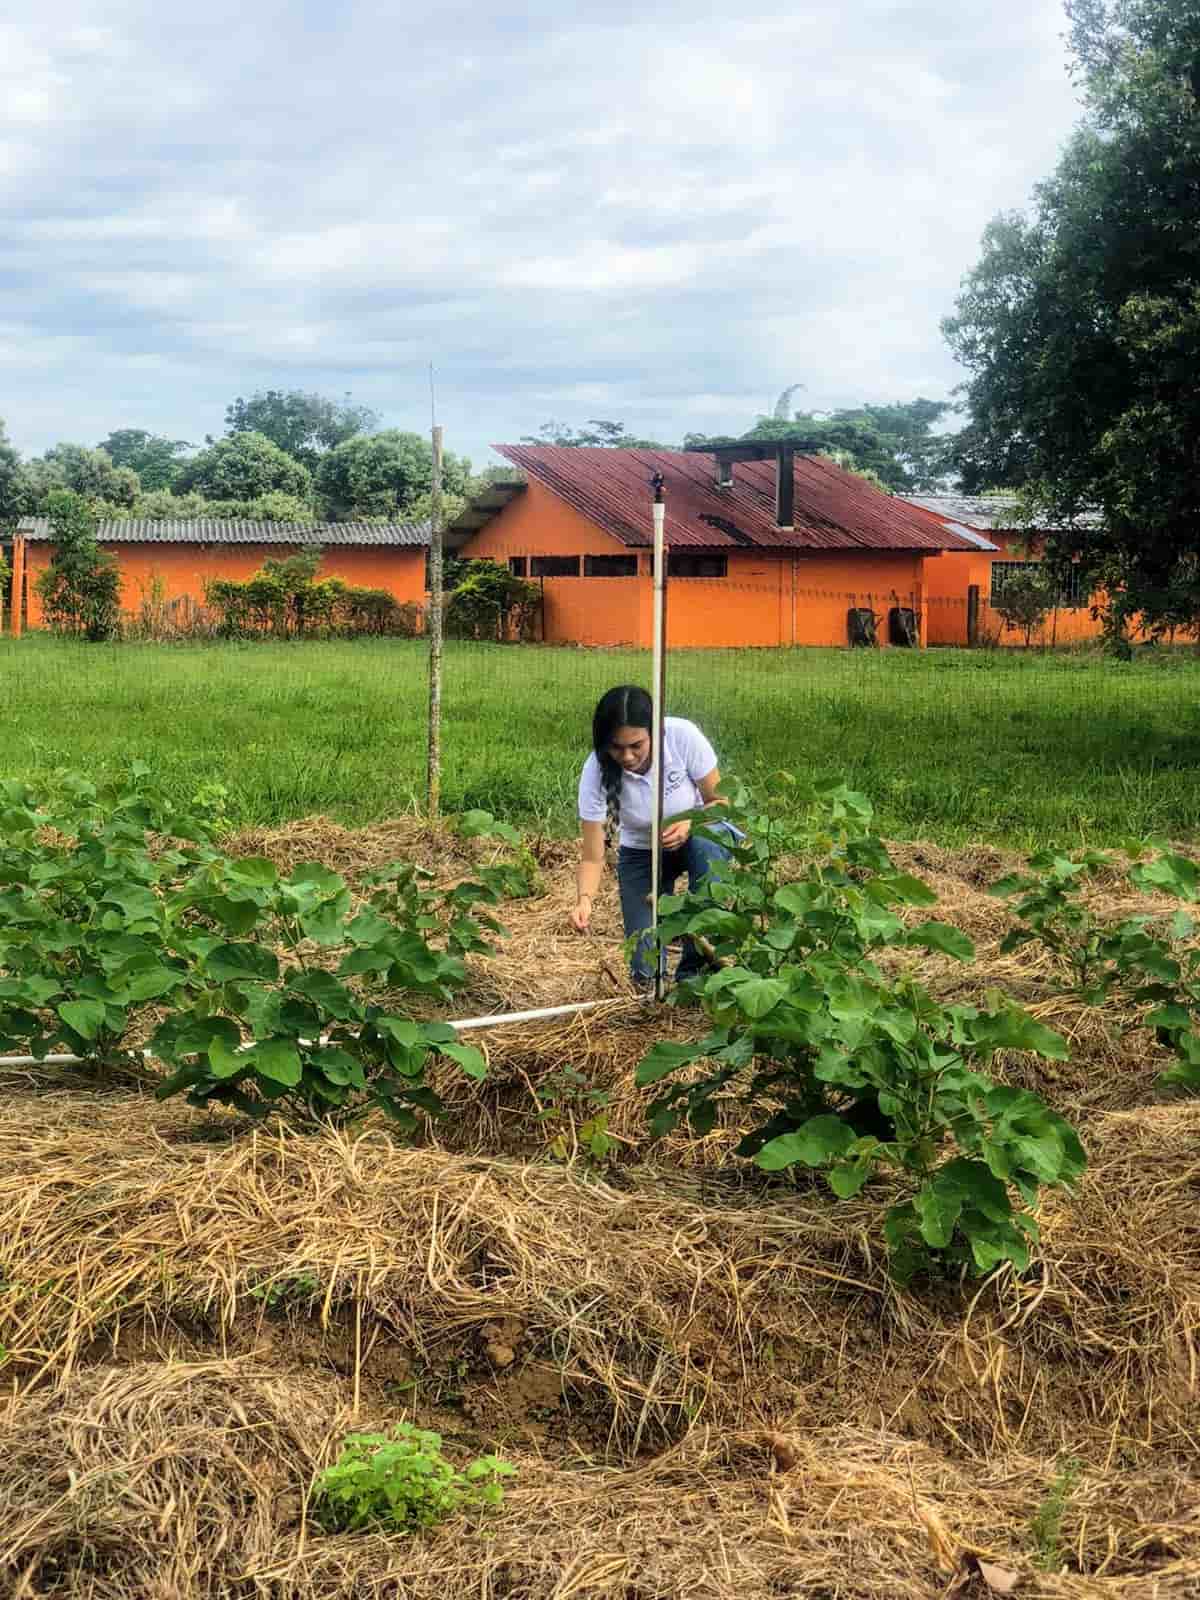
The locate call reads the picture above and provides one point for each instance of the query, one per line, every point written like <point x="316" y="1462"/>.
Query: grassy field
<point x="951" y="745"/>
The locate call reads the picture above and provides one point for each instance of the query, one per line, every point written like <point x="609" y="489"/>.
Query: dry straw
<point x="707" y="1381"/>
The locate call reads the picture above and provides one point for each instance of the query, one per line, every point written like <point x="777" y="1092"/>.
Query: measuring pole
<point x="433" y="781"/>
<point x="659" y="674"/>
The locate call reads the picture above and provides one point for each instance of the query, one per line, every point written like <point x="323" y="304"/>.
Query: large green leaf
<point x="938" y="1205"/>
<point x="233" y="963"/>
<point x="665" y="1057"/>
<point x="256" y="870"/>
<point x="760" y="996"/>
<point x="817" y="1141"/>
<point x="472" y="1061"/>
<point x="84" y="1017"/>
<point x="324" y="990"/>
<point x="277" y="1059"/>
<point x="942" y="937"/>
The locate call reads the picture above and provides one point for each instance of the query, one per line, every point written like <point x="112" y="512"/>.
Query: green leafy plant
<point x="89" y="933"/>
<point x="274" y="1292"/>
<point x="1045" y="1526"/>
<point x="296" y="1009"/>
<point x="561" y="1091"/>
<point x="401" y="1482"/>
<point x="81" y="588"/>
<point x="1126" y="960"/>
<point x="840" y="1067"/>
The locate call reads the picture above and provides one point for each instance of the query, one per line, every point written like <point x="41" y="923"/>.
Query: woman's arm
<point x="588" y="875"/>
<point x="676" y="833"/>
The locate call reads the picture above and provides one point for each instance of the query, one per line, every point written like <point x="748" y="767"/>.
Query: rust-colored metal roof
<point x="834" y="509"/>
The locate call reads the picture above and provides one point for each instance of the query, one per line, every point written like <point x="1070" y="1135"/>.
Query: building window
<point x="692" y="564"/>
<point x="518" y="566"/>
<point x="1072" y="594"/>
<point x="554" y="566"/>
<point x="610" y="566"/>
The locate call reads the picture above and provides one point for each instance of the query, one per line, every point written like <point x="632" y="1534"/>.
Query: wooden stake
<point x="433" y="783"/>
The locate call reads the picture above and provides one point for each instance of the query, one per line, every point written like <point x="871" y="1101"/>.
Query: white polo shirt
<point x="688" y="757"/>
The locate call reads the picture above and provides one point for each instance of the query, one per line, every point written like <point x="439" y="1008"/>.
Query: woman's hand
<point x="676" y="835"/>
<point x="581" y="913"/>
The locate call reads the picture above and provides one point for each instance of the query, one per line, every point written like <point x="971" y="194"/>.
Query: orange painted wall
<point x="948" y="577"/>
<point x="184" y="569"/>
<point x="759" y="602"/>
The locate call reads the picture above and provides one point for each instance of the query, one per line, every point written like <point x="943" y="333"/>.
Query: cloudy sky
<point x="658" y="212"/>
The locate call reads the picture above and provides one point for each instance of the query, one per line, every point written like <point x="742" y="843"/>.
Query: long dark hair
<point x="626" y="706"/>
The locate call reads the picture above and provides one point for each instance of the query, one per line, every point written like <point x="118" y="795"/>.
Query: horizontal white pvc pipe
<point x="459" y="1027"/>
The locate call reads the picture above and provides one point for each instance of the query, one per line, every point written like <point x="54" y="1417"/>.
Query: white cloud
<point x="615" y="210"/>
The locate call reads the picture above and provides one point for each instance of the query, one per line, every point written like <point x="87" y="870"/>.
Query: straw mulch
<point x="709" y="1385"/>
<point x="191" y="1480"/>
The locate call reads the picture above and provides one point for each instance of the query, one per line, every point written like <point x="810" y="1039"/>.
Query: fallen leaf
<point x="998" y="1579"/>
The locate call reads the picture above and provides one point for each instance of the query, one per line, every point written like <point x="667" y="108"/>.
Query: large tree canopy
<point x="243" y="467"/>
<point x="12" y="482"/>
<point x="154" y="458"/>
<point x="597" y="433"/>
<point x="304" y="425"/>
<point x="386" y="474"/>
<point x="1080" y="326"/>
<point x="80" y="471"/>
<point x="893" y="445"/>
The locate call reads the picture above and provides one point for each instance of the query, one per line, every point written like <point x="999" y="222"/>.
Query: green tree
<point x="245" y="466"/>
<point x="385" y="474"/>
<point x="1024" y="602"/>
<point x="80" y="590"/>
<point x="305" y="425"/>
<point x="1080" y="325"/>
<point x="12" y="482"/>
<point x="154" y="458"/>
<point x="597" y="433"/>
<point x="81" y="471"/>
<point x="894" y="445"/>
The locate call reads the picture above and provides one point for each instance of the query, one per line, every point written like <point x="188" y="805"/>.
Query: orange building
<point x="963" y="587"/>
<point x="171" y="563"/>
<point x="748" y="563"/>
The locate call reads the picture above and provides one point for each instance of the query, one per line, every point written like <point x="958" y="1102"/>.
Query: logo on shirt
<point x="675" y="776"/>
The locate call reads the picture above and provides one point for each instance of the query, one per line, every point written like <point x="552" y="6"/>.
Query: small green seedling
<point x="1046" y="1523"/>
<point x="401" y="1482"/>
<point x="279" y="1291"/>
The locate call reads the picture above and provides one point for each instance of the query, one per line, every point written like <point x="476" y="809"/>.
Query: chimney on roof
<point x="785" y="487"/>
<point x="724" y="472"/>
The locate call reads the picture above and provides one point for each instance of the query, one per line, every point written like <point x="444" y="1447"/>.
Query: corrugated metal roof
<point x="205" y="530"/>
<point x="992" y="512"/>
<point x="977" y="539"/>
<point x="834" y="509"/>
<point x="983" y="511"/>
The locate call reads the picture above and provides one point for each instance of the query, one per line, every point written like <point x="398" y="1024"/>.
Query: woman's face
<point x="630" y="748"/>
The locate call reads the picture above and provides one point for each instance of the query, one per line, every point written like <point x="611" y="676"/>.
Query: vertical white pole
<point x="660" y="711"/>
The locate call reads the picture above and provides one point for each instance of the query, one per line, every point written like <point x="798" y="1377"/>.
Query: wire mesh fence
<point x="999" y="742"/>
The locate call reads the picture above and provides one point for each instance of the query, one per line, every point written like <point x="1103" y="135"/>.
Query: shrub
<point x="841" y="1067"/>
<point x="286" y="599"/>
<point x="490" y="603"/>
<point x="1024" y="602"/>
<point x="401" y="1482"/>
<point x="80" y="590"/>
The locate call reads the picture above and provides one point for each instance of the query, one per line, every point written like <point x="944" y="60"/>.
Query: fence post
<point x="433" y="779"/>
<point x="18" y="585"/>
<point x="972" y="615"/>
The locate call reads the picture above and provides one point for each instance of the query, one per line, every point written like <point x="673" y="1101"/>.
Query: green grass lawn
<point x="1008" y="747"/>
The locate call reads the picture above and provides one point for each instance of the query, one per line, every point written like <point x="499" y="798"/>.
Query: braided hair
<point x="623" y="707"/>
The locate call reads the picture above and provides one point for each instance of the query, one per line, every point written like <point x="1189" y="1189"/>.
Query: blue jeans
<point x="696" y="858"/>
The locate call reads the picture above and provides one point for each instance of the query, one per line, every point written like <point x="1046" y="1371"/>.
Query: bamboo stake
<point x="433" y="784"/>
